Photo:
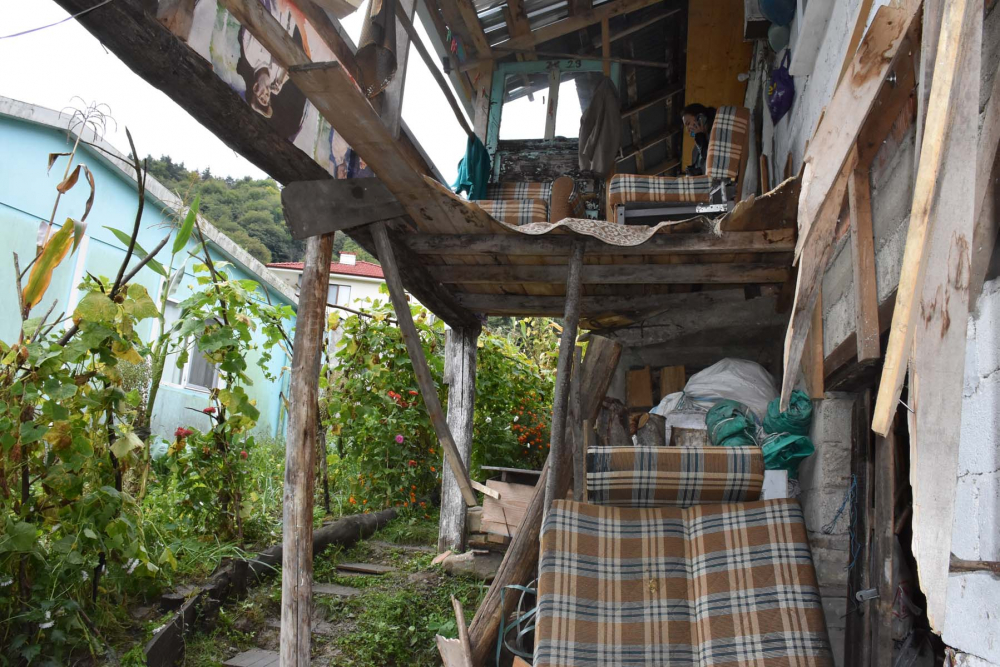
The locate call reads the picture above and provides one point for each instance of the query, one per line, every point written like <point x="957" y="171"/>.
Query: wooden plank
<point x="484" y="83"/>
<point x="672" y="380"/>
<point x="485" y="490"/>
<point x="577" y="449"/>
<point x="640" y="388"/>
<point x="716" y="55"/>
<point x="300" y="455"/>
<point x="940" y="113"/>
<point x="391" y="110"/>
<point x="937" y="365"/>
<point x="860" y="23"/>
<point x="857" y="641"/>
<point x="335" y="590"/>
<point x="452" y="652"/>
<point x="428" y="391"/>
<point x="881" y="608"/>
<point x="462" y="19"/>
<point x="606" y="47"/>
<point x="365" y="568"/>
<point x="576" y="22"/>
<point x="460" y="358"/>
<point x="648" y="142"/>
<point x="765" y="174"/>
<point x="255" y="657"/>
<point x="332" y="33"/>
<point x="463" y="630"/>
<point x="838" y="130"/>
<point x="332" y="205"/>
<point x="560" y="457"/>
<point x="812" y="360"/>
<point x="520" y="562"/>
<point x="660" y="274"/>
<point x="987" y="192"/>
<point x="552" y="104"/>
<point x="866" y="323"/>
<point x="767" y="241"/>
<point x="502" y="516"/>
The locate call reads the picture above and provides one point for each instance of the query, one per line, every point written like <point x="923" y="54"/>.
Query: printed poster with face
<point x="247" y="67"/>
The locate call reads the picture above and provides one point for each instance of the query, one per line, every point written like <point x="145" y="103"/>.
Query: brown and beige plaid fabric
<point x="633" y="188"/>
<point x="519" y="190"/>
<point x="516" y="211"/>
<point x="725" y="143"/>
<point x="710" y="585"/>
<point x="679" y="476"/>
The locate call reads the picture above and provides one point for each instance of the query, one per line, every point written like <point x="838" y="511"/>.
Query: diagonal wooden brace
<point x="424" y="380"/>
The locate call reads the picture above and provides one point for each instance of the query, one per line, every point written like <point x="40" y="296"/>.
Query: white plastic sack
<point x="735" y="379"/>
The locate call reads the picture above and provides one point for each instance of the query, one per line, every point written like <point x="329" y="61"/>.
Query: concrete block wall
<point x="972" y="619"/>
<point x="824" y="479"/>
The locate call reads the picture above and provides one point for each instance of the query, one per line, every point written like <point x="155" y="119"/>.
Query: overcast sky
<point x="52" y="66"/>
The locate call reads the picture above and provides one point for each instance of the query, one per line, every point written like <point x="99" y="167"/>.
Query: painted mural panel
<point x="247" y="67"/>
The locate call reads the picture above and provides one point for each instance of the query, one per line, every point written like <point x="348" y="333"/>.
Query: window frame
<point x="190" y="345"/>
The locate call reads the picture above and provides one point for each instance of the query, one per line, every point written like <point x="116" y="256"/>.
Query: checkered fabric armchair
<point x="632" y="195"/>
<point x="521" y="203"/>
<point x="676" y="562"/>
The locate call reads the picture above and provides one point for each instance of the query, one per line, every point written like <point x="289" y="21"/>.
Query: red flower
<point x="413" y="393"/>
<point x="182" y="433"/>
<point x="209" y="410"/>
<point x="412" y="463"/>
<point x="243" y="454"/>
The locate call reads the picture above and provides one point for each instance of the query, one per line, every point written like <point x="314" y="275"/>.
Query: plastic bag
<point x="738" y="380"/>
<point x="780" y="90"/>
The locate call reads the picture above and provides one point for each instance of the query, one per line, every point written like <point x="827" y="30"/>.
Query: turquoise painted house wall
<point x="27" y="194"/>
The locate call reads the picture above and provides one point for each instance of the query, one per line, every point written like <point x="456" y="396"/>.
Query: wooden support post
<point x="577" y="450"/>
<point x="520" y="562"/>
<point x="483" y="79"/>
<point x="553" y="104"/>
<point x="857" y="639"/>
<point x="941" y="110"/>
<point x="881" y="607"/>
<point x="605" y="47"/>
<point x="460" y="358"/>
<point x="392" y="97"/>
<point x="558" y="458"/>
<point x="812" y="360"/>
<point x="424" y="380"/>
<point x="863" y="254"/>
<point x="300" y="455"/>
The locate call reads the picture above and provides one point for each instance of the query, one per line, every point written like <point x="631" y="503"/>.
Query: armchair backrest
<point x="673" y="476"/>
<point x="727" y="143"/>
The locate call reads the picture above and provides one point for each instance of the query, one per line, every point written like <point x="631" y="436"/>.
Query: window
<point x="197" y="373"/>
<point x="336" y="295"/>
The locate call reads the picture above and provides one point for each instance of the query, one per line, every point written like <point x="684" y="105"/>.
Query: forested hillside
<point x="247" y="210"/>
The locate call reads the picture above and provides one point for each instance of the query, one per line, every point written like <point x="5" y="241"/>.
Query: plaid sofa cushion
<point x="710" y="585"/>
<point x="725" y="143"/>
<point x="519" y="190"/>
<point x="633" y="188"/>
<point x="516" y="211"/>
<point x="680" y="476"/>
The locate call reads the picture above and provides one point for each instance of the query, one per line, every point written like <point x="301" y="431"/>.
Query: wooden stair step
<point x="255" y="657"/>
<point x="366" y="568"/>
<point x="334" y="589"/>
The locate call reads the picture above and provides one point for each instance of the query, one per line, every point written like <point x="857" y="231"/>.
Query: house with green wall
<point x="28" y="135"/>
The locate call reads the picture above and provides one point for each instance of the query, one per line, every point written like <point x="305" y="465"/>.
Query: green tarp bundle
<point x="787" y="441"/>
<point x="731" y="424"/>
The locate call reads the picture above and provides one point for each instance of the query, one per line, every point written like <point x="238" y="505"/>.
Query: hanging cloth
<point x="601" y="130"/>
<point x="473" y="170"/>
<point x="376" y="55"/>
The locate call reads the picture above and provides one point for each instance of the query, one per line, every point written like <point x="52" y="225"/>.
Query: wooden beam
<point x="606" y="47"/>
<point x="884" y="538"/>
<point x="836" y="135"/>
<point x="329" y="205"/>
<point x="425" y="55"/>
<point x="300" y="455"/>
<point x="552" y="104"/>
<point x="460" y="358"/>
<point x="653" y="98"/>
<point x="631" y="306"/>
<point x="937" y="354"/>
<point x="857" y="639"/>
<point x="940" y="113"/>
<point x="866" y="323"/>
<point x="576" y="449"/>
<point x="420" y="369"/>
<point x="597" y="42"/>
<point x="576" y="22"/>
<point x="632" y="97"/>
<point x="177" y="16"/>
<point x="484" y="84"/>
<point x="860" y="23"/>
<point x="520" y="563"/>
<point x="812" y="360"/>
<point x="391" y="109"/>
<point x="767" y="241"/>
<point x="460" y="15"/>
<point x="658" y="274"/>
<point x="430" y="15"/>
<point x="559" y="456"/>
<point x="332" y="33"/>
<point x="987" y="193"/>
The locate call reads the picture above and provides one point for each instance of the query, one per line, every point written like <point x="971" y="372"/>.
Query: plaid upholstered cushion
<point x="680" y="476"/>
<point x="632" y="188"/>
<point x="710" y="585"/>
<point x="725" y="143"/>
<point x="517" y="211"/>
<point x="519" y="190"/>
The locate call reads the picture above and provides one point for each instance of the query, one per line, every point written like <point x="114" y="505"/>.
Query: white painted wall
<point x="972" y="620"/>
<point x="361" y="287"/>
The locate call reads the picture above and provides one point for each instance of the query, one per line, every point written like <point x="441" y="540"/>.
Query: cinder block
<point x="973" y="608"/>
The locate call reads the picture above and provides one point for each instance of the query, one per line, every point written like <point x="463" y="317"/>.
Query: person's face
<point x="692" y="125"/>
<point x="261" y="90"/>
